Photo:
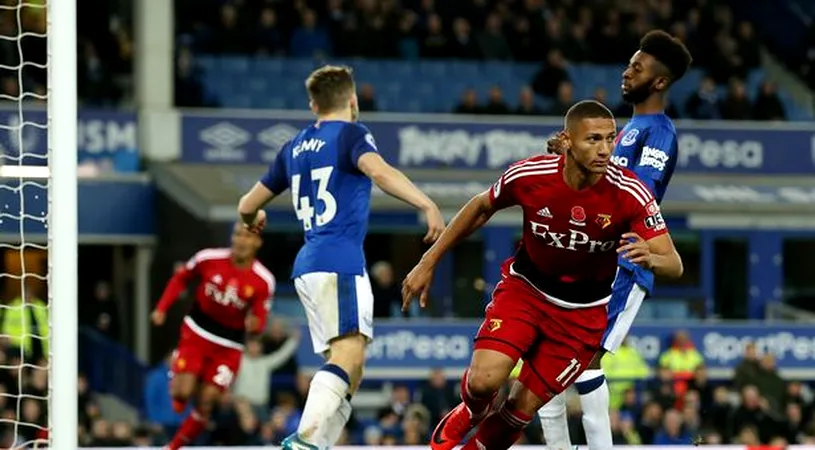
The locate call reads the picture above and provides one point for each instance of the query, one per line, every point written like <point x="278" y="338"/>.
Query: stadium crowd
<point x="552" y="32"/>
<point x="681" y="404"/>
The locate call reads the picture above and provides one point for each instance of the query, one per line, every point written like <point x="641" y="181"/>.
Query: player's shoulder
<point x="627" y="184"/>
<point x="264" y="274"/>
<point x="535" y="166"/>
<point x="212" y="254"/>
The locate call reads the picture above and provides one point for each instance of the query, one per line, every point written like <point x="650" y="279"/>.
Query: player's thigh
<point x="626" y="300"/>
<point x="187" y="366"/>
<point x="221" y="367"/>
<point x="569" y="340"/>
<point x="507" y="332"/>
<point x="337" y="306"/>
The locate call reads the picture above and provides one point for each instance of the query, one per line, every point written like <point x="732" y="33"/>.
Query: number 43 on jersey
<point x="303" y="208"/>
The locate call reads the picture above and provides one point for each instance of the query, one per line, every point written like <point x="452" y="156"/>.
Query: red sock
<point x="478" y="406"/>
<point x="193" y="425"/>
<point x="500" y="430"/>
<point x="179" y="405"/>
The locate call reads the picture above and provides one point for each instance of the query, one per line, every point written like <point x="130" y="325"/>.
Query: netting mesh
<point x="24" y="311"/>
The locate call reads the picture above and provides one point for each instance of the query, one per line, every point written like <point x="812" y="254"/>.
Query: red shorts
<point x="556" y="343"/>
<point x="212" y="363"/>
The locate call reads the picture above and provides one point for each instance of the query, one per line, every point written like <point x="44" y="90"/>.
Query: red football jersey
<point x="224" y="295"/>
<point x="570" y="237"/>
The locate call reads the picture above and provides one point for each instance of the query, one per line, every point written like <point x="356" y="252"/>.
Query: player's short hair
<point x="669" y="51"/>
<point x="587" y="109"/>
<point x="330" y="87"/>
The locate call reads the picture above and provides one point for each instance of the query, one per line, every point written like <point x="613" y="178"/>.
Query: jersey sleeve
<point x="358" y="140"/>
<point x="262" y="300"/>
<point x="502" y="193"/>
<point x="657" y="159"/>
<point x="647" y="220"/>
<point x="275" y="179"/>
<point x="179" y="281"/>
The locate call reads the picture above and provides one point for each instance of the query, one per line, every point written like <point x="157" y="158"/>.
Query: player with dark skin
<point x="183" y="386"/>
<point x="645" y="85"/>
<point x="589" y="143"/>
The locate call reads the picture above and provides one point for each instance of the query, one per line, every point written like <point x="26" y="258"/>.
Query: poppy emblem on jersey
<point x="180" y="364"/>
<point x="248" y="291"/>
<point x="630" y="137"/>
<point x="604" y="220"/>
<point x="494" y="325"/>
<point x="578" y="216"/>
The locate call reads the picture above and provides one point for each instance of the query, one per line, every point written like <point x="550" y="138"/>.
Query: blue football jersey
<point x="331" y="196"/>
<point x="648" y="146"/>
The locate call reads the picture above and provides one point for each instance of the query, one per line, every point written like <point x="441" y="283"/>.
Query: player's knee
<point x="207" y="400"/>
<point x="488" y="374"/>
<point x="555" y="407"/>
<point x="182" y="387"/>
<point x="348" y="352"/>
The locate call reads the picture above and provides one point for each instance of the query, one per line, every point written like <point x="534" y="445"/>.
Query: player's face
<point x="244" y="243"/>
<point x="641" y="78"/>
<point x="591" y="143"/>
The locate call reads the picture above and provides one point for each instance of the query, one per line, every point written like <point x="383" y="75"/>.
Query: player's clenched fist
<point x="435" y="224"/>
<point x="259" y="224"/>
<point x="417" y="283"/>
<point x="158" y="318"/>
<point x="635" y="249"/>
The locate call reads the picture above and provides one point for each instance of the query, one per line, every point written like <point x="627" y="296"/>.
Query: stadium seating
<point x="425" y="86"/>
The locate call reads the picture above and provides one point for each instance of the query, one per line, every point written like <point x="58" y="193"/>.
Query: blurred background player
<point x="233" y="297"/>
<point x="648" y="146"/>
<point x="550" y="306"/>
<point x="329" y="167"/>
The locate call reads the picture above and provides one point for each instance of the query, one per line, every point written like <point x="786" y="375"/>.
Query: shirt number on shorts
<point x="568" y="373"/>
<point x="223" y="376"/>
<point x="302" y="205"/>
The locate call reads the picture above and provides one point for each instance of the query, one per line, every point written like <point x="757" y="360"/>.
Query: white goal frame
<point x="62" y="223"/>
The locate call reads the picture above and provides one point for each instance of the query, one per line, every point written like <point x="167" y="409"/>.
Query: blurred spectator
<point x="254" y="378"/>
<point x="564" y="99"/>
<point x="309" y="40"/>
<point x="623" y="369"/>
<point x="188" y="91"/>
<point x="672" y="432"/>
<point x="548" y="80"/>
<point x="754" y="411"/>
<point x="749" y="45"/>
<point x="491" y="42"/>
<point x="367" y="98"/>
<point x="704" y="103"/>
<point x="435" y="44"/>
<point x="387" y="293"/>
<point x="25" y="323"/>
<point x="770" y="385"/>
<point x="496" y="104"/>
<point x="267" y="37"/>
<point x="768" y="105"/>
<point x="601" y="96"/>
<point x="681" y="358"/>
<point x="277" y="335"/>
<point x="736" y="105"/>
<point x="437" y="395"/>
<point x="158" y="405"/>
<point x="95" y="85"/>
<point x="102" y="312"/>
<point x="747" y="370"/>
<point x="463" y="46"/>
<point x="526" y="103"/>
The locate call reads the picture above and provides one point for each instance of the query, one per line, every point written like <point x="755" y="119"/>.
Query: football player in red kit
<point x="233" y="297"/>
<point x="579" y="212"/>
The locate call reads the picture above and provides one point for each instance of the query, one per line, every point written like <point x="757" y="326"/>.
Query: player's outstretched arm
<point x="470" y="218"/>
<point x="397" y="184"/>
<point x="177" y="284"/>
<point x="658" y="254"/>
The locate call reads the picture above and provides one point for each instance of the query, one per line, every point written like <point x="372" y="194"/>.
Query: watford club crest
<point x="604" y="220"/>
<point x="248" y="291"/>
<point x="494" y="325"/>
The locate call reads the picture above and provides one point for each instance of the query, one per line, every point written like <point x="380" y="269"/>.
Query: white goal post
<point x="62" y="222"/>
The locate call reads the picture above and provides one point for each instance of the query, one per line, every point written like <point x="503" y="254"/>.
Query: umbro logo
<point x="544" y="212"/>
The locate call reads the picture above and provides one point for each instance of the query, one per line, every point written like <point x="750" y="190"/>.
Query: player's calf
<point x="197" y="421"/>
<point x="504" y="427"/>
<point x="182" y="388"/>
<point x="555" y="423"/>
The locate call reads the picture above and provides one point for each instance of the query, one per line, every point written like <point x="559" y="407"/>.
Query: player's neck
<point x="577" y="177"/>
<point x="339" y="116"/>
<point x="242" y="263"/>
<point x="654" y="104"/>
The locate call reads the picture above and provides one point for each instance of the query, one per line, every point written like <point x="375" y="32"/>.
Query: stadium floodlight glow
<point x="28" y="172"/>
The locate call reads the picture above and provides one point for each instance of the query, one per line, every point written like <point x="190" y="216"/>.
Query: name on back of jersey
<point x="654" y="157"/>
<point x="574" y="240"/>
<point x="308" y="145"/>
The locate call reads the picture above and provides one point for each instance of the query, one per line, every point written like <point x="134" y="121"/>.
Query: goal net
<point x="38" y="223"/>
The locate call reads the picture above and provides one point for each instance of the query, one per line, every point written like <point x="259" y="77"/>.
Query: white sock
<point x="593" y="390"/>
<point x="325" y="395"/>
<point x="336" y="424"/>
<point x="555" y="424"/>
